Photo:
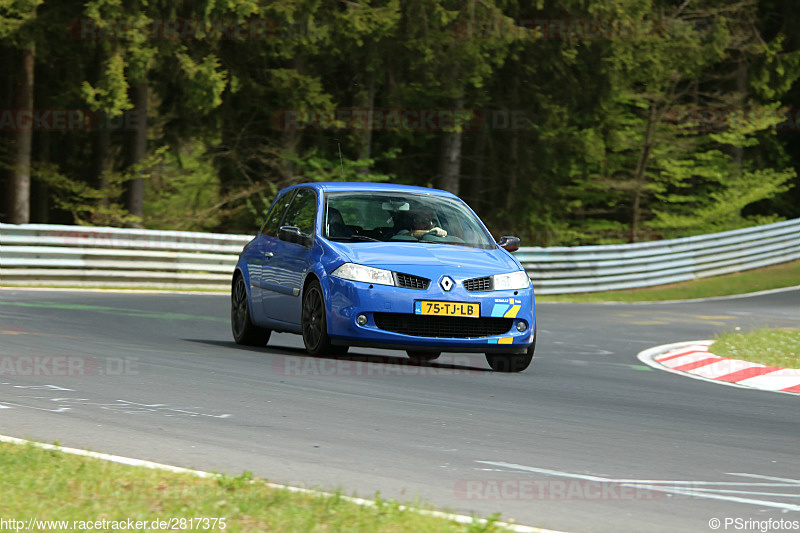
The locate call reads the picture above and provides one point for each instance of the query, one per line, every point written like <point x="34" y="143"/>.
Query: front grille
<point x="443" y="326"/>
<point x="478" y="284"/>
<point x="411" y="282"/>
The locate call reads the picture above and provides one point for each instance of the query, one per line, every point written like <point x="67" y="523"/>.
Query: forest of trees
<point x="561" y="121"/>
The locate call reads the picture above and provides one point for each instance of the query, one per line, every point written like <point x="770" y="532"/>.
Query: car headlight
<point x="354" y="272"/>
<point x="511" y="281"/>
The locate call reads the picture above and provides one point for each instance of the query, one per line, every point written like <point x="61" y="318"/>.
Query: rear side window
<point x="302" y="211"/>
<point x="275" y="215"/>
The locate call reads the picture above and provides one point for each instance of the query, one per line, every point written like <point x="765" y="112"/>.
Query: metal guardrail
<point x="561" y="270"/>
<point x="36" y="254"/>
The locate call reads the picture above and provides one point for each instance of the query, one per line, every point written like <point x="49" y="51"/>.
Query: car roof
<point x="335" y="186"/>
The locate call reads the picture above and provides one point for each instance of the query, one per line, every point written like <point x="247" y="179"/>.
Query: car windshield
<point x="384" y="217"/>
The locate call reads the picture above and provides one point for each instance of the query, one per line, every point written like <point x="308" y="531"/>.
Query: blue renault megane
<point x="389" y="266"/>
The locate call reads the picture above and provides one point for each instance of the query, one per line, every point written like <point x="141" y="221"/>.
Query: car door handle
<point x="268" y="254"/>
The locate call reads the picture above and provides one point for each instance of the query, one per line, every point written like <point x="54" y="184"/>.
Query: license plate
<point x="426" y="307"/>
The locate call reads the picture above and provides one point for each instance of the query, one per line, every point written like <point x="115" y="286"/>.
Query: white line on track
<point x="672" y="487"/>
<point x="690" y="300"/>
<point x="769" y="478"/>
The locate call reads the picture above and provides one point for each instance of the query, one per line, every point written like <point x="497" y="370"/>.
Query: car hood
<point x="413" y="257"/>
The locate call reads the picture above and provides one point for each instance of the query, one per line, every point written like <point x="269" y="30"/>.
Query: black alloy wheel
<point x="315" y="325"/>
<point x="244" y="331"/>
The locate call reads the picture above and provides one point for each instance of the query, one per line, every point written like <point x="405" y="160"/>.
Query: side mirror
<point x="292" y="234"/>
<point x="509" y="243"/>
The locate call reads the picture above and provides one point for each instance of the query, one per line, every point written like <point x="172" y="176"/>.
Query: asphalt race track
<point x="587" y="439"/>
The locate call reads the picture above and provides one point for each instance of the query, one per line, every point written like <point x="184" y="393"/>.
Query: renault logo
<point x="447" y="283"/>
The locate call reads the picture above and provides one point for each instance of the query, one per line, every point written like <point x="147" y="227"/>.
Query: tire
<point x="243" y="329"/>
<point x="315" y="325"/>
<point x="421" y="356"/>
<point x="501" y="362"/>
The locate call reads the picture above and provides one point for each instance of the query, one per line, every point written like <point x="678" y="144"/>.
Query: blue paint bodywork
<point x="276" y="273"/>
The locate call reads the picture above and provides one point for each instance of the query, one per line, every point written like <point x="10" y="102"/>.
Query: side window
<point x="302" y="211"/>
<point x="273" y="221"/>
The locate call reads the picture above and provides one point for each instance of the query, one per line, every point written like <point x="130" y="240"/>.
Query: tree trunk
<point x="102" y="136"/>
<point x="20" y="185"/>
<point x="366" y="138"/>
<point x="641" y="171"/>
<point x="291" y="139"/>
<point x="138" y="148"/>
<point x="513" y="172"/>
<point x="741" y="88"/>
<point x="222" y="161"/>
<point x="40" y="195"/>
<point x="102" y="143"/>
<point x="7" y="62"/>
<point x="512" y="193"/>
<point x="475" y="192"/>
<point x="450" y="157"/>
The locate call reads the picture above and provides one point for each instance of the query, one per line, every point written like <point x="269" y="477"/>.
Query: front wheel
<point x="243" y="329"/>
<point x="315" y="324"/>
<point x="501" y="362"/>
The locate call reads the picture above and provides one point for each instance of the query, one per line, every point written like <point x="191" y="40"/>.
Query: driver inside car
<point x="423" y="223"/>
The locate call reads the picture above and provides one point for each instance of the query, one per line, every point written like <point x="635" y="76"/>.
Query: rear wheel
<point x="421" y="356"/>
<point x="501" y="362"/>
<point x="243" y="329"/>
<point x="315" y="324"/>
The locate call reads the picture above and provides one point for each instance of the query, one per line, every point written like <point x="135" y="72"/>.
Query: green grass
<point x="52" y="485"/>
<point x="773" y="277"/>
<point x="771" y="347"/>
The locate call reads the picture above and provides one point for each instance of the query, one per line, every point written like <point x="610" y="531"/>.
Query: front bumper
<point x="392" y="322"/>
